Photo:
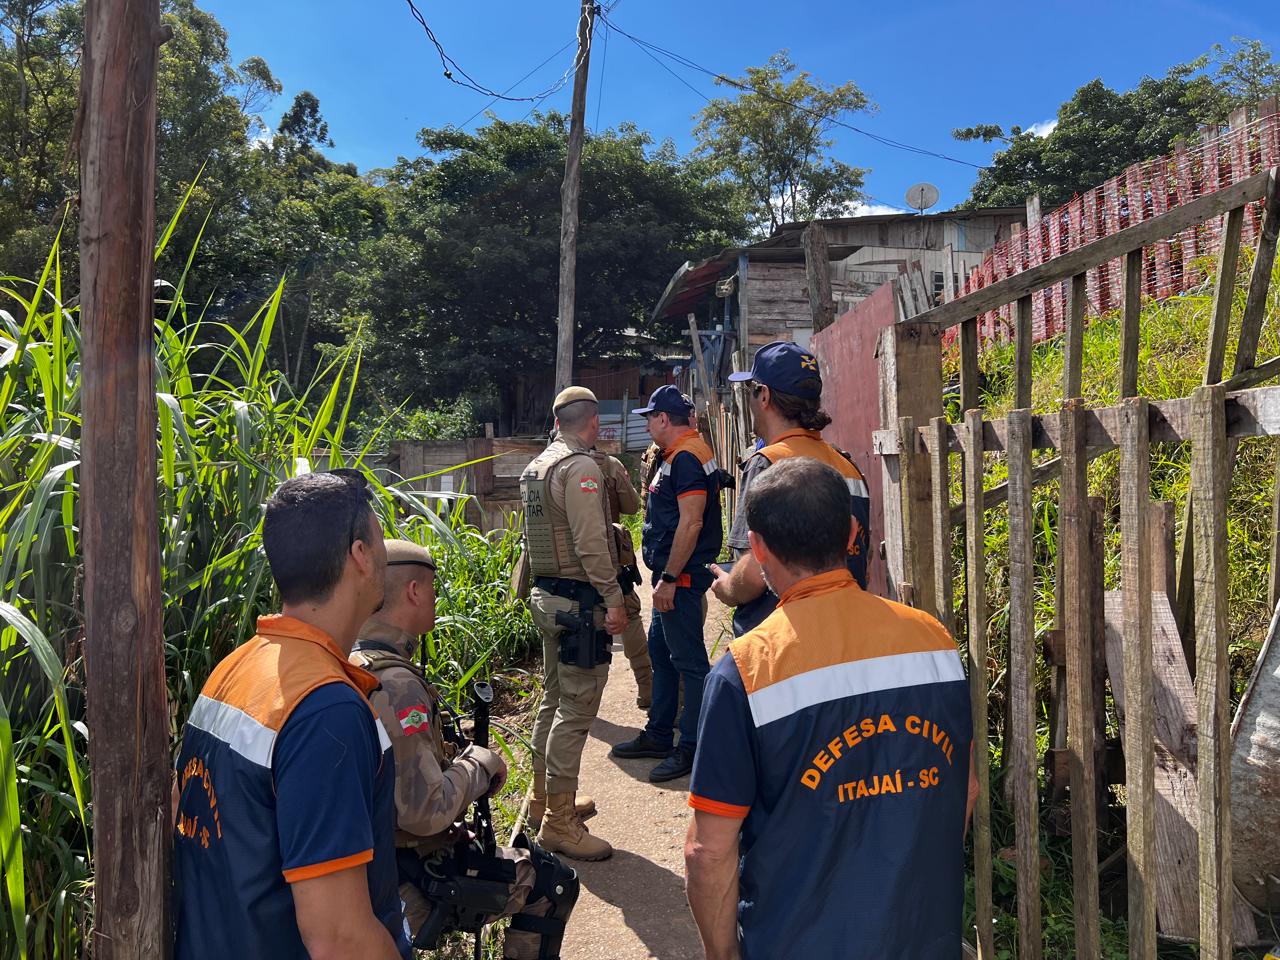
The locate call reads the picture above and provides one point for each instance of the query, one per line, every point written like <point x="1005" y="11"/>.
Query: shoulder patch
<point x="415" y="719"/>
<point x="589" y="486"/>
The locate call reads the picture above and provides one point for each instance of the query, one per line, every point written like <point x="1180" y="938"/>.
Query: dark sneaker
<point x="642" y="746"/>
<point x="678" y="764"/>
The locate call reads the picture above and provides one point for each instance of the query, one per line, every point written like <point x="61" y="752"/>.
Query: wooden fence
<point x="917" y="445"/>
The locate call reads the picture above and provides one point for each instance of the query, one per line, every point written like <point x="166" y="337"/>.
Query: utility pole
<point x="124" y="648"/>
<point x="569" y="199"/>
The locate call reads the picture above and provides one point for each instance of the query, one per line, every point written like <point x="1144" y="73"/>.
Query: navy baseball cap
<point x="667" y="399"/>
<point x="786" y="367"/>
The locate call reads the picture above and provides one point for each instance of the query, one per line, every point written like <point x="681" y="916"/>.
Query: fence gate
<point x="1178" y="808"/>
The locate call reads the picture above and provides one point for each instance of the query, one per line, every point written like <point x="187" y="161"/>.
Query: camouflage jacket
<point x="434" y="783"/>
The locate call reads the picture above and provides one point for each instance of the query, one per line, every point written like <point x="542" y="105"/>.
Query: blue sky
<point x="928" y="66"/>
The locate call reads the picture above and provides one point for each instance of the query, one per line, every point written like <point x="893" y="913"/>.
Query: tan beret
<point x="402" y="552"/>
<point x="572" y="395"/>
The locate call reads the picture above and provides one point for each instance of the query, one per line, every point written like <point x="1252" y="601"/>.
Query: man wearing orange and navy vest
<point x="785" y="400"/>
<point x="682" y="534"/>
<point x="832" y="781"/>
<point x="284" y="844"/>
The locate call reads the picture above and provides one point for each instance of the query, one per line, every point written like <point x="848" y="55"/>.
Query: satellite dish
<point x="922" y="196"/>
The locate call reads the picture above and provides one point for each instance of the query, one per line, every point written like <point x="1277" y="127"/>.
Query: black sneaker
<point x="678" y="764"/>
<point x="642" y="746"/>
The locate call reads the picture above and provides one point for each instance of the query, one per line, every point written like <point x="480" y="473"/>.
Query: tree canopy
<point x="1101" y="131"/>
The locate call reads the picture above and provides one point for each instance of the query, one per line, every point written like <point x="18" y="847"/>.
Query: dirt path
<point x="633" y="906"/>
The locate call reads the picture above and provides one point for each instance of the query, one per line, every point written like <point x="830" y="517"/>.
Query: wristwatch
<point x="666" y="577"/>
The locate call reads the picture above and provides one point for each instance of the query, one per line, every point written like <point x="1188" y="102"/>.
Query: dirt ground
<point x="632" y="905"/>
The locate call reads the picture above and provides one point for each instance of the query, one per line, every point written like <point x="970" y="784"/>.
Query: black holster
<point x="466" y="890"/>
<point x="581" y="644"/>
<point x="629" y="578"/>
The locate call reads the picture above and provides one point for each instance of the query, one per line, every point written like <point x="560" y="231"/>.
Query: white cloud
<point x="861" y="209"/>
<point x="1043" y="128"/>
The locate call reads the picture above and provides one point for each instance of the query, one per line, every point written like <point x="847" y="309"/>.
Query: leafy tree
<point x="462" y="295"/>
<point x="1101" y="131"/>
<point x="773" y="140"/>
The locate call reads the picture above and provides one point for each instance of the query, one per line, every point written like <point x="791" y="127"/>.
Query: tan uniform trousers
<point x="570" y="697"/>
<point x="635" y="645"/>
<point x="519" y="944"/>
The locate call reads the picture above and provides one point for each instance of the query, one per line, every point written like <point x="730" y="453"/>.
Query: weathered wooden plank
<point x="1073" y="342"/>
<point x="1209" y="488"/>
<point x="908" y="493"/>
<point x="818" y="273"/>
<point x="1097" y="590"/>
<point x="1068" y="264"/>
<point x="970" y="375"/>
<point x="1021" y="738"/>
<point x="1073" y="545"/>
<point x="1023" y="346"/>
<point x="1131" y="317"/>
<point x="1260" y="278"/>
<point x="1177" y="797"/>
<point x="1223" y="295"/>
<point x="975" y="590"/>
<point x="1139" y="732"/>
<point x="1162" y="537"/>
<point x="940" y="479"/>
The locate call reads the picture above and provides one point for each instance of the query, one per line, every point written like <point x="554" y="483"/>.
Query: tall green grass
<point x="1172" y="354"/>
<point x="229" y="430"/>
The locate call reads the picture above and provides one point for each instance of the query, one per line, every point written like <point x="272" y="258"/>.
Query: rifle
<point x="482" y="821"/>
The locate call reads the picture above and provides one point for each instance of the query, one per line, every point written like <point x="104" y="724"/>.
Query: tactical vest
<point x="548" y="540"/>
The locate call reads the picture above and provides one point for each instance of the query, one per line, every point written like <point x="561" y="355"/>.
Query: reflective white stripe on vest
<point x="782" y="699"/>
<point x="858" y="488"/>
<point x="710" y="467"/>
<point x="239" y="731"/>
<point x="384" y="741"/>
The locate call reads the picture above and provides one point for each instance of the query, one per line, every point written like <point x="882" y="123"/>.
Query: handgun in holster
<point x="581" y="644"/>
<point x="629" y="578"/>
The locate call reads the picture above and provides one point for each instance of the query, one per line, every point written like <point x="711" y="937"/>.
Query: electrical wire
<point x="517" y="83"/>
<point x="452" y="70"/>
<point x="604" y="60"/>
<point x="653" y="48"/>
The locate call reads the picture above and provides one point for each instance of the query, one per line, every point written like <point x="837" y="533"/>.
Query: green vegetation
<point x="1171" y="364"/>
<point x="230" y="429"/>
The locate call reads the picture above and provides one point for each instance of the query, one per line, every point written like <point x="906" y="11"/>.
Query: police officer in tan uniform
<point x="623" y="499"/>
<point x="576" y="604"/>
<point x="435" y="780"/>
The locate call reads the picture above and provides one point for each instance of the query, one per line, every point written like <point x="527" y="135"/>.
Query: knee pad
<point x="554" y="881"/>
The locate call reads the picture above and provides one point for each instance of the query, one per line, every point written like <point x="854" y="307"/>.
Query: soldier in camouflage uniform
<point x="623" y="499"/>
<point x="435" y="780"/>
<point x="576" y="605"/>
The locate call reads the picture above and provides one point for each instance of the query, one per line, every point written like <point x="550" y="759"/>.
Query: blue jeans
<point x="677" y="651"/>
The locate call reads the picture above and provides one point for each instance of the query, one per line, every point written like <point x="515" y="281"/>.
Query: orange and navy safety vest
<point x="688" y="468"/>
<point x="285" y="774"/>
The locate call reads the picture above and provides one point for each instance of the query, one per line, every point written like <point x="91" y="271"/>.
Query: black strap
<point x="380" y="646"/>
<point x="547" y="926"/>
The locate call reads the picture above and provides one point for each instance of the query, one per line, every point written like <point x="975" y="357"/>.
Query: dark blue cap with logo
<point x="667" y="399"/>
<point x="786" y="367"/>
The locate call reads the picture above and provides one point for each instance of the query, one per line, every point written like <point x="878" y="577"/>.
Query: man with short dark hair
<point x="438" y="776"/>
<point x="682" y="534"/>
<point x="284" y="839"/>
<point x="832" y="781"/>
<point x="786" y="412"/>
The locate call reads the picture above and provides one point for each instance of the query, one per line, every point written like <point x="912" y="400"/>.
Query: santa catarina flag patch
<point x="414" y="719"/>
<point x="589" y="486"/>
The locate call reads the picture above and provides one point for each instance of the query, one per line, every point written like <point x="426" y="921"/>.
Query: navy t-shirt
<point x="681" y="476"/>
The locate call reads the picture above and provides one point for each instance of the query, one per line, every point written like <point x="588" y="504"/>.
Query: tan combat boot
<point x="562" y="832"/>
<point x="584" y="806"/>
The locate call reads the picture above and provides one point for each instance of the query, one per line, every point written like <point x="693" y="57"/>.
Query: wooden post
<point x="1260" y="279"/>
<point x="817" y="266"/>
<point x="124" y="644"/>
<point x="1074" y="590"/>
<point x="569" y="200"/>
<point x="910" y="356"/>
<point x="1213" y="747"/>
<point x="1073" y="365"/>
<point x="940" y="476"/>
<point x="970" y="375"/>
<point x="1023" y="346"/>
<point x="908" y="494"/>
<point x="626" y="415"/>
<point x="1130" y="323"/>
<point x="974" y="538"/>
<point x="1139" y="727"/>
<point x="1020" y="738"/>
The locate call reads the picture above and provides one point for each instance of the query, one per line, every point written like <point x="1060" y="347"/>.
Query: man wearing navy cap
<point x="682" y="534"/>
<point x="785" y="398"/>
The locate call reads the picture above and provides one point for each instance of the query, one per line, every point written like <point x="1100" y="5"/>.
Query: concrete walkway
<point x="633" y="905"/>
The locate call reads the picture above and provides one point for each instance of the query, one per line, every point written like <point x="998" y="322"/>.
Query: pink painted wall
<point x="851" y="395"/>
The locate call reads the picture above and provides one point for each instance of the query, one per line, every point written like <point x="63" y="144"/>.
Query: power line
<point x="604" y="59"/>
<point x="517" y="83"/>
<point x="452" y="70"/>
<point x="652" y="48"/>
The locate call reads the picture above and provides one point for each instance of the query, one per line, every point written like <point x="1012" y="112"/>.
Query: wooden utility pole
<point x="124" y="649"/>
<point x="569" y="200"/>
